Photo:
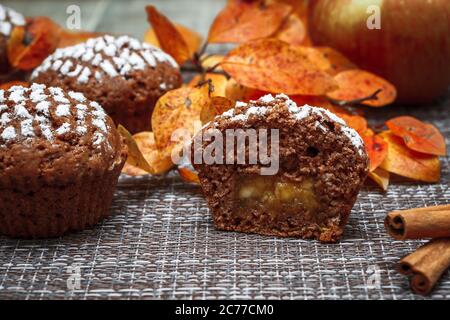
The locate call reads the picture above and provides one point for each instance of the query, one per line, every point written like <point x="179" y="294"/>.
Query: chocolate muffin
<point x="60" y="159"/>
<point x="303" y="185"/>
<point x="122" y="74"/>
<point x="8" y="20"/>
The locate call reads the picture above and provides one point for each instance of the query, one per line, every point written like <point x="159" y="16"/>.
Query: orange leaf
<point x="188" y="176"/>
<point x="376" y="147"/>
<point x="275" y="66"/>
<point x="70" y="38"/>
<point x="241" y="21"/>
<point x="237" y="92"/>
<point x="292" y="31"/>
<point x="192" y="38"/>
<point x="7" y="85"/>
<point x="217" y="106"/>
<point x="218" y="81"/>
<point x="178" y="113"/>
<point x="157" y="161"/>
<point x="358" y="84"/>
<point x="417" y="135"/>
<point x="338" y="62"/>
<point x="212" y="61"/>
<point x="315" y="101"/>
<point x="356" y="122"/>
<point x="135" y="156"/>
<point x="169" y="37"/>
<point x="408" y="163"/>
<point x="381" y="177"/>
<point x="29" y="45"/>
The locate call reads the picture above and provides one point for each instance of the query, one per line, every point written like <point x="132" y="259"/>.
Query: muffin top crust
<point x="8" y="19"/>
<point x="104" y="58"/>
<point x="261" y="108"/>
<point x="50" y="114"/>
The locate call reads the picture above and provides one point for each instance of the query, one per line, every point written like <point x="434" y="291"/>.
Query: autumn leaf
<point x="409" y="163"/>
<point x="417" y="135"/>
<point x="358" y="84"/>
<point x="135" y="156"/>
<point x="356" y="122"/>
<point x="241" y="21"/>
<point x="275" y="66"/>
<point x="376" y="147"/>
<point x="218" y="82"/>
<point x="237" y="92"/>
<point x="338" y="62"/>
<point x="188" y="175"/>
<point x="29" y="45"/>
<point x="212" y="61"/>
<point x="191" y="38"/>
<point x="169" y="38"/>
<point x="380" y="177"/>
<point x="292" y="31"/>
<point x="7" y="85"/>
<point x="70" y="38"/>
<point x="217" y="106"/>
<point x="177" y="113"/>
<point x="159" y="162"/>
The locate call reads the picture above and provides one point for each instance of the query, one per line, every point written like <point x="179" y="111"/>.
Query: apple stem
<point x="355" y="102"/>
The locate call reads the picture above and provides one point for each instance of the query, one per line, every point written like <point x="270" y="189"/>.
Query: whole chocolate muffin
<point x="124" y="75"/>
<point x="321" y="164"/>
<point x="8" y="20"/>
<point x="60" y="158"/>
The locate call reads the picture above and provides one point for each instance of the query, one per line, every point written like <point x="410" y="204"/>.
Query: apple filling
<point x="275" y="194"/>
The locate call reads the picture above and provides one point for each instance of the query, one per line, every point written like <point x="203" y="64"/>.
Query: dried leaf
<point x="217" y="106"/>
<point x="292" y="31"/>
<point x="169" y="37"/>
<point x="7" y="85"/>
<point x="241" y="21"/>
<point x="338" y="62"/>
<point x="408" y="163"/>
<point x="135" y="156"/>
<point x="159" y="162"/>
<point x="218" y="82"/>
<point x="380" y="177"/>
<point x="188" y="175"/>
<point x="237" y="92"/>
<point x="358" y="84"/>
<point x="356" y="122"/>
<point x="178" y="112"/>
<point x="192" y="38"/>
<point x="29" y="45"/>
<point x="418" y="135"/>
<point x="275" y="66"/>
<point x="376" y="147"/>
<point x="70" y="38"/>
<point x="212" y="61"/>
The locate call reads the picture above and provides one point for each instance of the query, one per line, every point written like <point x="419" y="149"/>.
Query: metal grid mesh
<point x="160" y="243"/>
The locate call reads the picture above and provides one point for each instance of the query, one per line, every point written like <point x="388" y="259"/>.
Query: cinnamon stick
<point x="426" y="265"/>
<point x="428" y="222"/>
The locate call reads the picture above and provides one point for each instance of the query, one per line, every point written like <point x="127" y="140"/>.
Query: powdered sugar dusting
<point x="113" y="55"/>
<point x="36" y="112"/>
<point x="296" y="112"/>
<point x="8" y="19"/>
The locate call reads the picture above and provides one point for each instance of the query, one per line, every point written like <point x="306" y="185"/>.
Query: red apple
<point x="411" y="49"/>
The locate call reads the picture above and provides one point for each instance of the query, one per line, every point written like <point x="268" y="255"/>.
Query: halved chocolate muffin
<point x="60" y="159"/>
<point x="308" y="193"/>
<point x="122" y="74"/>
<point x="9" y="18"/>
